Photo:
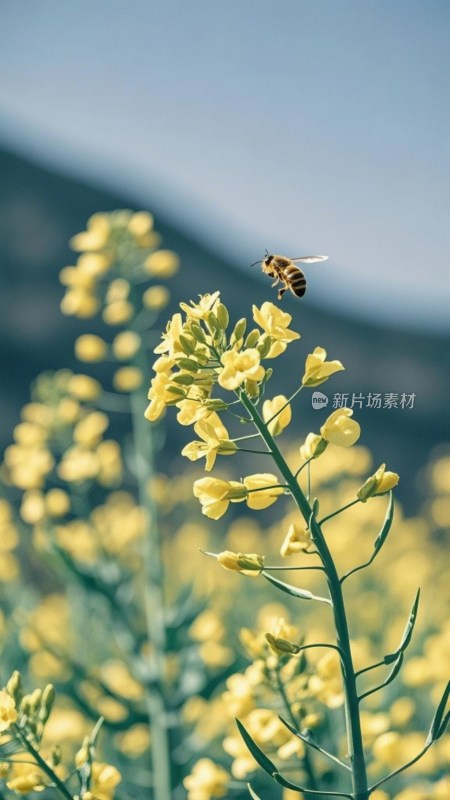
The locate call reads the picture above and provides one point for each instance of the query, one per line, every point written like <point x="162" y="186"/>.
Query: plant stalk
<point x="154" y="600"/>
<point x="353" y="724"/>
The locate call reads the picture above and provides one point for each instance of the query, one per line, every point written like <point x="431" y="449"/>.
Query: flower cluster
<point x="33" y="766"/>
<point x="199" y="353"/>
<point x="116" y="250"/>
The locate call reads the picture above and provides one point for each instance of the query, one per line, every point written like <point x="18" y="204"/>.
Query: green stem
<point x="42" y="763"/>
<point x="353" y="724"/>
<point x="307" y="763"/>
<point x="154" y="600"/>
<point x="339" y="511"/>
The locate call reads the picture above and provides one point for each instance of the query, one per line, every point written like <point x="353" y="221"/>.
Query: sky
<point x="300" y="126"/>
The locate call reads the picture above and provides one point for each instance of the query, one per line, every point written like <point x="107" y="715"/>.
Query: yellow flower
<point x="126" y="344"/>
<point x="379" y="483"/>
<point x="201" y="310"/>
<point x="156" y="297"/>
<point x="96" y="235"/>
<point x="78" y="464"/>
<point x="104" y="779"/>
<point x="93" y="264"/>
<point x="275" y="323"/>
<point x="8" y="713"/>
<point x="140" y="223"/>
<point x="248" y="563"/>
<point x="312" y="447"/>
<point x="158" y="395"/>
<point x="298" y="539"/>
<point x="206" y="781"/>
<point x="280" y="409"/>
<point x="192" y="409"/>
<point x="90" y="429"/>
<point x="267" y="490"/>
<point x="162" y="264"/>
<point x="90" y="348"/>
<point x="215" y="495"/>
<point x="317" y="370"/>
<point x="118" y="289"/>
<point x="118" y="312"/>
<point x="127" y="379"/>
<point x="238" y="367"/>
<point x="215" y="440"/>
<point x="32" y="509"/>
<point x="57" y="503"/>
<point x="26" y="778"/>
<point x="83" y="387"/>
<point x="171" y="340"/>
<point x="340" y="429"/>
<point x="80" y="303"/>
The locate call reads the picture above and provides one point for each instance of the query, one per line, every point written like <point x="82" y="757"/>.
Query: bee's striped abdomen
<point x="296" y="280"/>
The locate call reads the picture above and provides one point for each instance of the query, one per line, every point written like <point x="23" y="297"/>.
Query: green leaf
<point x="439" y="721"/>
<point x="265" y="763"/>
<point x="303" y="594"/>
<point x="305" y="737"/>
<point x="287" y="784"/>
<point x="252" y="793"/>
<point x="407" y="633"/>
<point x="10" y="748"/>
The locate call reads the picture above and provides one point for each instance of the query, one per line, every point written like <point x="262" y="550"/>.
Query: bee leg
<point x="277" y="280"/>
<point x="281" y="292"/>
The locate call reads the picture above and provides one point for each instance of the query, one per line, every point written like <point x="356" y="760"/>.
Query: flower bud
<point x="14" y="687"/>
<point x="239" y="330"/>
<point x="313" y="446"/>
<point x="280" y="646"/>
<point x="253" y="338"/>
<point x="379" y="483"/>
<point x="216" y="404"/>
<point x="183" y="379"/>
<point x="48" y="698"/>
<point x="187" y="344"/>
<point x="222" y="315"/>
<point x="247" y="563"/>
<point x="252" y="389"/>
<point x="197" y="332"/>
<point x="264" y="346"/>
<point x="187" y="363"/>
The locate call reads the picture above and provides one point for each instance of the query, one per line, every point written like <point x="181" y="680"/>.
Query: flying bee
<point x="285" y="270"/>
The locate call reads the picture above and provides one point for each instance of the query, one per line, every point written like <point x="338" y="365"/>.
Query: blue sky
<point x="293" y="125"/>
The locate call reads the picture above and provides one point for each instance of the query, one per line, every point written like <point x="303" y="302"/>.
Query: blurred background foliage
<point x="105" y="592"/>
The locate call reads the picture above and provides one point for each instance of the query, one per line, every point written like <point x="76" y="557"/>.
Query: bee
<point x="285" y="270"/>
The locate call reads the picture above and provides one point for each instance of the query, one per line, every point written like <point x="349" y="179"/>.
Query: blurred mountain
<point x="39" y="212"/>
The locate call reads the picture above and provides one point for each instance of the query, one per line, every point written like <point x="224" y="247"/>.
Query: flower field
<point x="272" y="624"/>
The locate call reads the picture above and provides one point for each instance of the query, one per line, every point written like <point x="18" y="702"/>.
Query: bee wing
<point x="310" y="259"/>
